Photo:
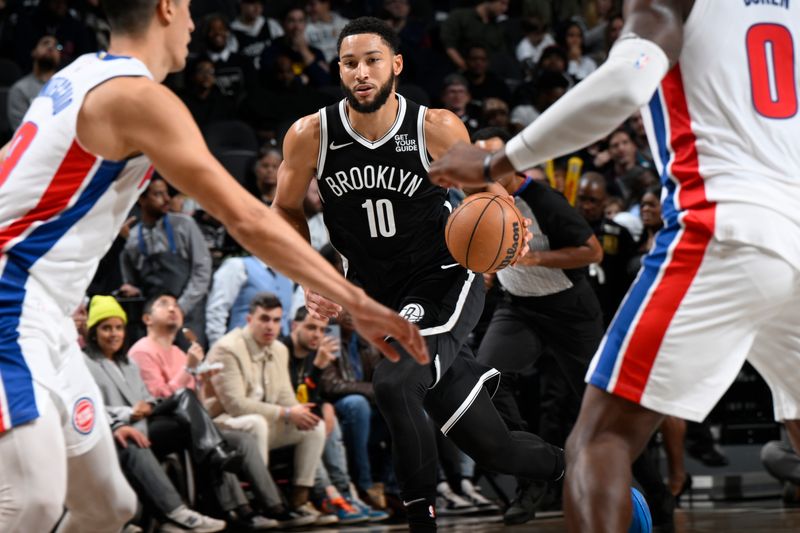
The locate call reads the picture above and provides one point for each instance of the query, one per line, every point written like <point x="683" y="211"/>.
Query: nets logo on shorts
<point x="413" y="313"/>
<point x="83" y="416"/>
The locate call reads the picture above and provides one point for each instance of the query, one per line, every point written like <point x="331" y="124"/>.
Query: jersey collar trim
<point x="398" y="121"/>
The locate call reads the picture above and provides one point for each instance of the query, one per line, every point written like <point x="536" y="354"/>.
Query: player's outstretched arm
<point x="651" y="41"/>
<point x="128" y="115"/>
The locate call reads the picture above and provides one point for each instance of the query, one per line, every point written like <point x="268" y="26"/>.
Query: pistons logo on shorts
<point x="83" y="416"/>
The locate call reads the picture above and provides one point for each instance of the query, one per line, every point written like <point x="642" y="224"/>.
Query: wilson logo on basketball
<point x="511" y="252"/>
<point x="83" y="416"/>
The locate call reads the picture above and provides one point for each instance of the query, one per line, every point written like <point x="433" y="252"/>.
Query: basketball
<point x="641" y="521"/>
<point x="485" y="233"/>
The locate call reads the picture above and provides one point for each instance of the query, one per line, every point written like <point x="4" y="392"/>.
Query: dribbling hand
<point x="524" y="251"/>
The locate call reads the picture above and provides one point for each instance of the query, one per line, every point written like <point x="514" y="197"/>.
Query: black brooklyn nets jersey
<point x="382" y="212"/>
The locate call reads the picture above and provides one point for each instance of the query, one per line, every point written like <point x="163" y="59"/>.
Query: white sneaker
<point x="480" y="501"/>
<point x="185" y="519"/>
<point x="322" y="519"/>
<point x="449" y="503"/>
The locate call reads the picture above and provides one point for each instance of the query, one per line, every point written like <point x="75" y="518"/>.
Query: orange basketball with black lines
<point x="485" y="233"/>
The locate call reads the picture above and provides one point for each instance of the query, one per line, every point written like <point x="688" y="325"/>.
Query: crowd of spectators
<point x="182" y="286"/>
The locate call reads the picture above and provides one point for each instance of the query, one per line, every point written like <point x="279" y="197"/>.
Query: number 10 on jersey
<point x="380" y="217"/>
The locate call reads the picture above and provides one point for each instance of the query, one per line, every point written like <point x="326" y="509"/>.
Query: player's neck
<point x="148" y="51"/>
<point x="373" y="126"/>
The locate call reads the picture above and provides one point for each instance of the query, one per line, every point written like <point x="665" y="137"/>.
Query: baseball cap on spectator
<point x="103" y="307"/>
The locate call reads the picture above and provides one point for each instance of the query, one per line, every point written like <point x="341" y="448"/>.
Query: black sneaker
<point x="523" y="507"/>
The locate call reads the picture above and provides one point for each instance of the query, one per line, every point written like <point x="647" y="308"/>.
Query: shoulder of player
<point x="303" y="136"/>
<point x="442" y="130"/>
<point x="439" y="121"/>
<point x="129" y="95"/>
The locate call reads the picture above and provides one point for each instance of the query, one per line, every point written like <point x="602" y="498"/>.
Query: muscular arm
<point x="443" y="129"/>
<point x="300" y="152"/>
<point x="652" y="40"/>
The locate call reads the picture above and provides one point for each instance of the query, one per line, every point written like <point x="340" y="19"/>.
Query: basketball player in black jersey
<point x="370" y="155"/>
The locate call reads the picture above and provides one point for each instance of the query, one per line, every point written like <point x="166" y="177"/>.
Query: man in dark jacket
<point x="347" y="383"/>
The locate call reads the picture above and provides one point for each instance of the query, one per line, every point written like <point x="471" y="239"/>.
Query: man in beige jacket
<point x="254" y="380"/>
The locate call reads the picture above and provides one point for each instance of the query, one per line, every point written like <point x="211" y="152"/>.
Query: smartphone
<point x="335" y="331"/>
<point x="205" y="366"/>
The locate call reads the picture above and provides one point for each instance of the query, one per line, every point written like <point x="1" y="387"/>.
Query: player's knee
<point x="18" y="510"/>
<point x="123" y="507"/>
<point x="114" y="508"/>
<point x="492" y="455"/>
<point x="394" y="383"/>
<point x="576" y="442"/>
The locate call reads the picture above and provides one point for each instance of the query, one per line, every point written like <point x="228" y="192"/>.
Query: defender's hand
<point x="462" y="166"/>
<point x="320" y="307"/>
<point x="375" y="322"/>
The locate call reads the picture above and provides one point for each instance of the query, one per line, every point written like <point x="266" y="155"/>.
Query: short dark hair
<point x="301" y="314"/>
<point x="484" y="134"/>
<point x="264" y="300"/>
<point x="129" y="16"/>
<point x="151" y="300"/>
<point x="370" y="25"/>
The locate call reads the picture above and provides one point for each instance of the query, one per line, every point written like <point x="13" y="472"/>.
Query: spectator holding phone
<point x="347" y="383"/>
<point x="313" y="345"/>
<point x="172" y="375"/>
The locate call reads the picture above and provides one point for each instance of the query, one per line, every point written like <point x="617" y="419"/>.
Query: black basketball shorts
<point x="446" y="306"/>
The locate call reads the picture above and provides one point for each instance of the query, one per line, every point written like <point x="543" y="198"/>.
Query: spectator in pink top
<point x="165" y="368"/>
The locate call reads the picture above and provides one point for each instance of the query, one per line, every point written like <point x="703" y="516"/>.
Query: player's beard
<point x="370" y="107"/>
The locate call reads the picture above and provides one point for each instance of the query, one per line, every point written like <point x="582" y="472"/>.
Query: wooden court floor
<point x="753" y="517"/>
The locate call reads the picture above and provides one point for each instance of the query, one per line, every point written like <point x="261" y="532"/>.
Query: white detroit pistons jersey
<point x="60" y="209"/>
<point x="724" y="126"/>
<point x="62" y="206"/>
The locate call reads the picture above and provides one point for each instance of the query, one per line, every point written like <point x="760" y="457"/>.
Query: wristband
<point x="286" y="412"/>
<point x="487" y="168"/>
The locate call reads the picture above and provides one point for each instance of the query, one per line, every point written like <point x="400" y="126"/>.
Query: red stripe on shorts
<point x="697" y="221"/>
